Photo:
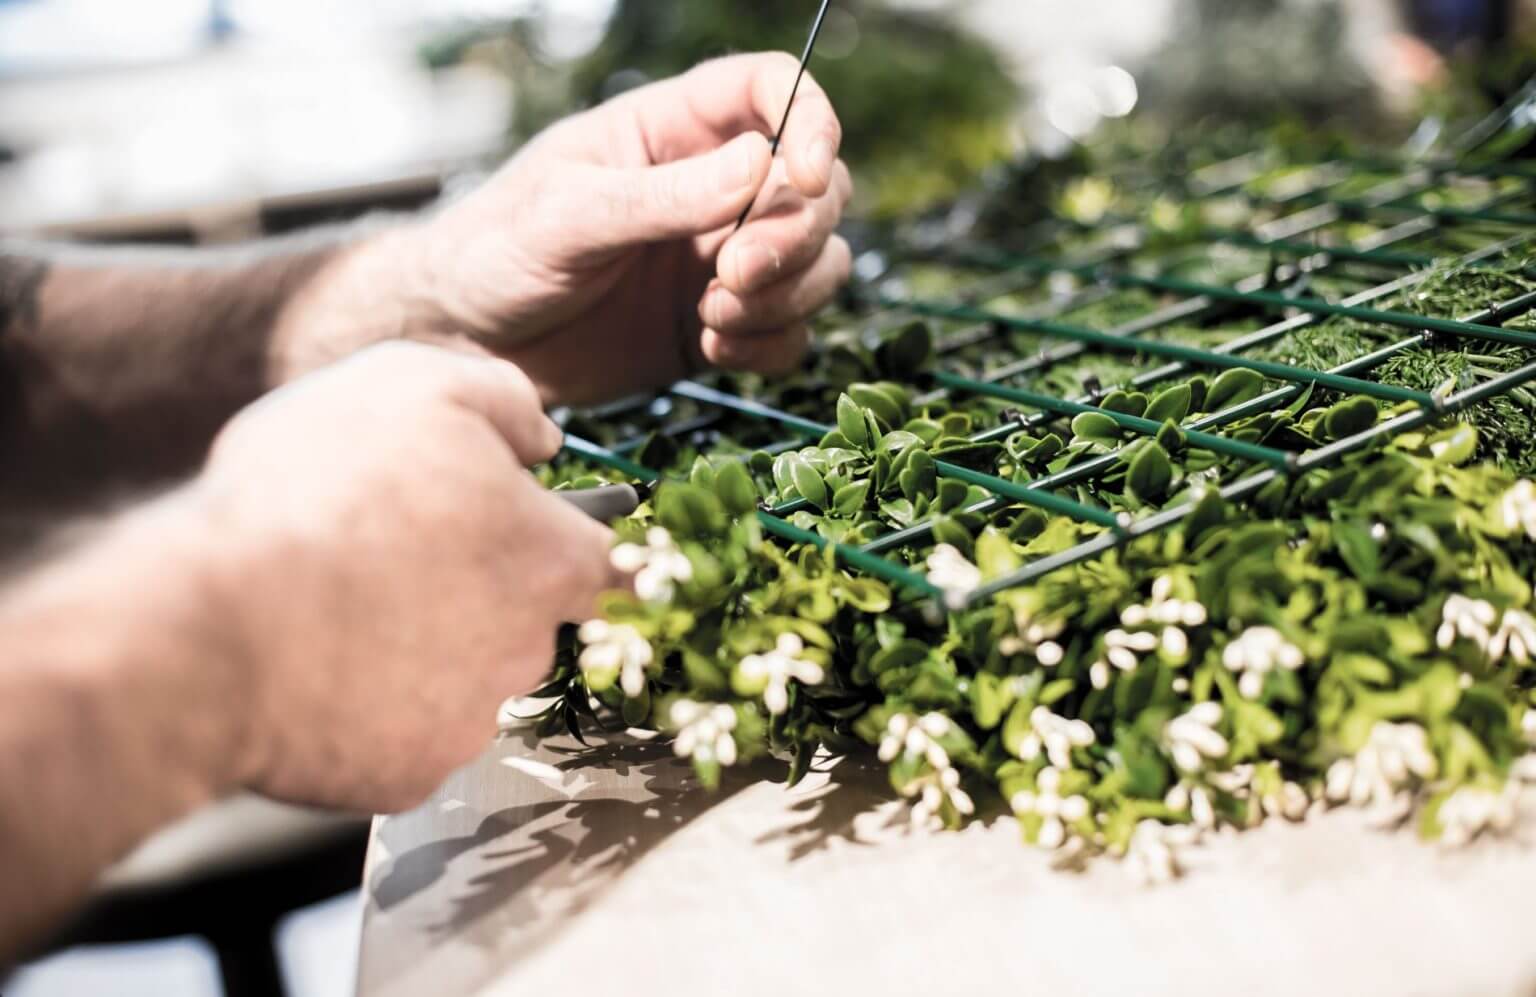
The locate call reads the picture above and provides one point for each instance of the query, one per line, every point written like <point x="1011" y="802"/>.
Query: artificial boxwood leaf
<point x="689" y="511"/>
<point x="1125" y="402"/>
<point x="1097" y="428"/>
<point x="947" y="530"/>
<point x="1150" y="472"/>
<point x="850" y="422"/>
<point x="952" y="494"/>
<point x="809" y="483"/>
<point x="886" y="408"/>
<point x="1233" y="388"/>
<point x="1351" y="416"/>
<point x="1170" y="405"/>
<point x="735" y="488"/>
<point x="995" y="554"/>
<point x="849" y="499"/>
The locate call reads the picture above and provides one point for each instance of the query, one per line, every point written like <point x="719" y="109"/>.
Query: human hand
<point x="393" y="571"/>
<point x="602" y="260"/>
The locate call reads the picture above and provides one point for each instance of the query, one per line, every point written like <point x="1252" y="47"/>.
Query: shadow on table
<point x="507" y="880"/>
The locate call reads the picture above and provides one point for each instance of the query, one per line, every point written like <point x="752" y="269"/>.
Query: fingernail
<point x="822" y="156"/>
<point x="736" y="171"/>
<point x="754" y="263"/>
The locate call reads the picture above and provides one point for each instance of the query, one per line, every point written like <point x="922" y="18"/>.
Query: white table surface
<point x="541" y="869"/>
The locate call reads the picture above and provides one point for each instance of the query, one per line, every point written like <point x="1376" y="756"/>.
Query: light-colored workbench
<point x="541" y="869"/>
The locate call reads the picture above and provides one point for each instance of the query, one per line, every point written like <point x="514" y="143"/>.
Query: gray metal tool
<point x="607" y="503"/>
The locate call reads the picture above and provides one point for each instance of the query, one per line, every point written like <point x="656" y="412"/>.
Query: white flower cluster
<point x="1468" y="812"/>
<point x="1192" y="737"/>
<point x="1473" y="619"/>
<point x="1519" y="508"/>
<point x="1152" y="855"/>
<point x="614" y="649"/>
<point x="777" y="667"/>
<point x="1255" y="653"/>
<point x="1381" y="774"/>
<point x="1036" y="638"/>
<point x="658" y="566"/>
<point x="1123" y="649"/>
<point x="704" y="731"/>
<point x="913" y="737"/>
<point x="1055" y="735"/>
<point x="1054" y="810"/>
<point x="950" y="572"/>
<point x="1194" y="798"/>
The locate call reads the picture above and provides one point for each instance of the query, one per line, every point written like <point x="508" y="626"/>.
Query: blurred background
<point x="208" y="121"/>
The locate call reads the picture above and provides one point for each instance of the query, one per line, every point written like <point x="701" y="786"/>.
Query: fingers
<point x="583" y="572"/>
<point x="494" y="389"/>
<point x="753" y="91"/>
<point x="789" y="301"/>
<point x="773" y="354"/>
<point x="715" y="101"/>
<point x="675" y="200"/>
<point x="786" y="236"/>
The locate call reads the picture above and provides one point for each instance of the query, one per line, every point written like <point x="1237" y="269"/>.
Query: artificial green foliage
<point x="1293" y="633"/>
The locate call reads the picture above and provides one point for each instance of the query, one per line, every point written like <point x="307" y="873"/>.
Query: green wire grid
<point x="1292" y="258"/>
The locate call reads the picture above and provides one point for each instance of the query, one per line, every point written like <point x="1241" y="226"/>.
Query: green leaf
<point x="1125" y="402"/>
<point x="850" y="422"/>
<point x="1233" y="388"/>
<point x="702" y="474"/>
<point x="689" y="511"/>
<point x="1349" y="417"/>
<point x="736" y="489"/>
<point x="1150" y="473"/>
<point x="1095" y="427"/>
<point x="809" y="483"/>
<point x="886" y="408"/>
<point x="1170" y="405"/>
<point x="849" y="499"/>
<point x="946" y="530"/>
<point x="919" y="477"/>
<point x="952" y="494"/>
<point x="995" y="554"/>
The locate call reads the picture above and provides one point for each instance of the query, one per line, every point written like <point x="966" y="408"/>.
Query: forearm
<point x="121" y="365"/>
<point x="119" y="708"/>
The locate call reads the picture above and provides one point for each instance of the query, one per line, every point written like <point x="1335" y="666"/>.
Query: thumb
<point x="684" y="198"/>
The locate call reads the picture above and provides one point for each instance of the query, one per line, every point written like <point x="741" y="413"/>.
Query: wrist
<point x="374" y="289"/>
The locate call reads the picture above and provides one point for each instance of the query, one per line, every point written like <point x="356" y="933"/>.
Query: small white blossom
<point x="1382" y="774"/>
<point x="1192" y="737"/>
<point x="1194" y="798"/>
<point x="658" y="566"/>
<point x="1468" y="812"/>
<point x="906" y="735"/>
<point x="777" y="667"/>
<point x="1055" y="811"/>
<point x="1166" y="615"/>
<point x="1519" y="508"/>
<point x="1528" y="726"/>
<point x="1038" y="639"/>
<point x="1164" y="609"/>
<point x="949" y="571"/>
<point x="1257" y="652"/>
<point x="1152" y="856"/>
<point x="614" y="649"/>
<point x="932" y="791"/>
<point x="911" y="737"/>
<point x="1290" y="801"/>
<point x="1465" y="618"/>
<point x="1517" y="635"/>
<point x="1055" y="735"/>
<point x="704" y="731"/>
